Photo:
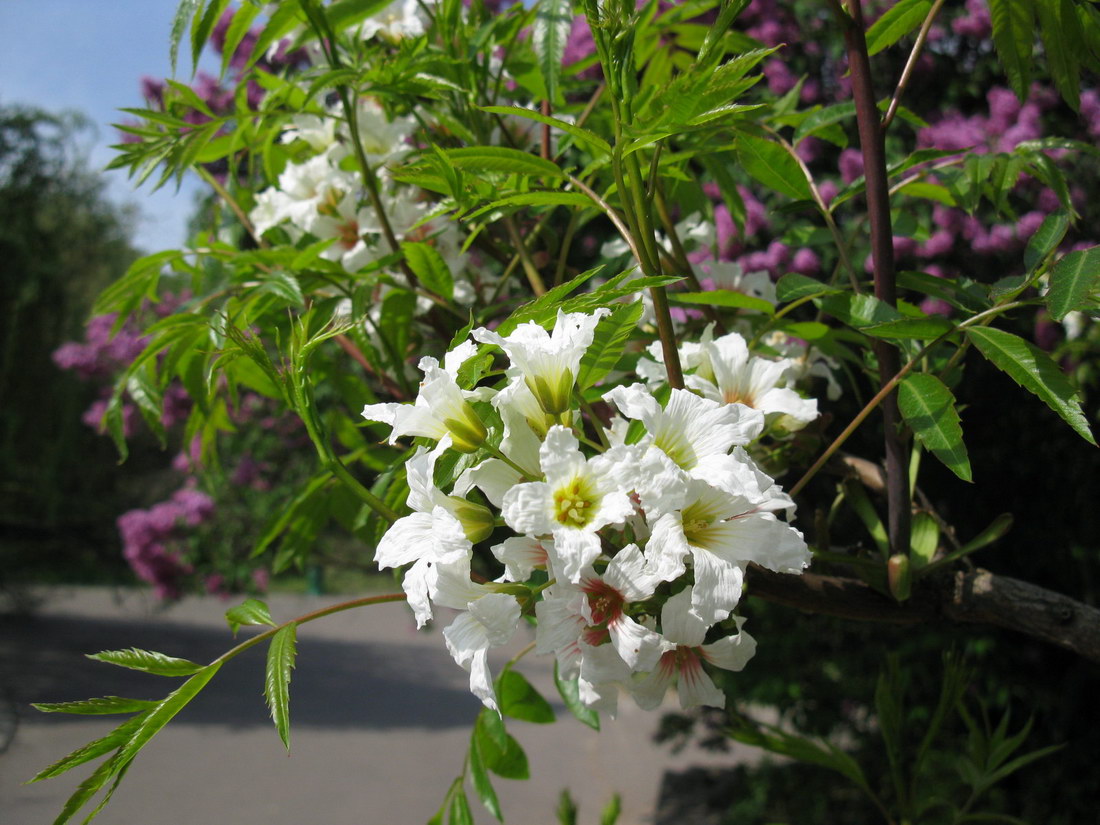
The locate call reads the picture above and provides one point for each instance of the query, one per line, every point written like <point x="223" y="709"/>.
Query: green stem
<point x="337" y="468"/>
<point x="305" y="619"/>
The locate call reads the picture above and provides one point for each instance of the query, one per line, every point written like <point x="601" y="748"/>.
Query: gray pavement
<point x="380" y="718"/>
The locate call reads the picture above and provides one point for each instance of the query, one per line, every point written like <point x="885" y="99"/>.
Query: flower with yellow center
<point x="578" y="498"/>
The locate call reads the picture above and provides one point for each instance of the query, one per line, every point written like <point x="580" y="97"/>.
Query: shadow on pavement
<point x="335" y="683"/>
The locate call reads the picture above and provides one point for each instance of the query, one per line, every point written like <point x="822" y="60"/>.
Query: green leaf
<point x="519" y="699"/>
<point x="859" y="501"/>
<point x="1073" y="280"/>
<point x="502" y="159"/>
<point x="280" y="661"/>
<point x="590" y="139"/>
<point x="500" y="753"/>
<point x="793" y="286"/>
<point x="997" y="528"/>
<point x="923" y="329"/>
<point x="185" y="11"/>
<point x="483" y="786"/>
<point x="96" y="707"/>
<point x="429" y="268"/>
<point x="1063" y="46"/>
<point x="459" y="813"/>
<point x="723" y="298"/>
<point x="771" y="165"/>
<point x="250" y="612"/>
<point x="283" y="284"/>
<point x="1046" y="238"/>
<point x="93" y="750"/>
<point x="570" y="692"/>
<point x="924" y="538"/>
<point x="165" y="710"/>
<point x="821" y="118"/>
<point x="238" y="28"/>
<point x="929" y="408"/>
<point x="201" y="26"/>
<point x="610" y="813"/>
<point x="859" y="310"/>
<point x="553" y="23"/>
<point x="574" y="199"/>
<point x="1013" y="35"/>
<point x="900" y="19"/>
<point x="1033" y="370"/>
<point x="608" y="344"/>
<point x="147" y="661"/>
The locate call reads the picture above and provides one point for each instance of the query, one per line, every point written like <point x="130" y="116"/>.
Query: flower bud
<point x="899" y="575"/>
<point x="468" y="432"/>
<point x="554" y="397"/>
<point x="477" y="521"/>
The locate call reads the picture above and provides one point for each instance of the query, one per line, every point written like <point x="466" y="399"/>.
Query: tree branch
<point x="963" y="597"/>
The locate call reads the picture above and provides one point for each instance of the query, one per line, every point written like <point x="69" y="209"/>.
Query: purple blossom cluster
<point x="152" y="539"/>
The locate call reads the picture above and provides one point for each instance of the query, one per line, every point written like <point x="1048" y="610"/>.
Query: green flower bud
<point x="467" y="433"/>
<point x="556" y="398"/>
<point x="476" y="520"/>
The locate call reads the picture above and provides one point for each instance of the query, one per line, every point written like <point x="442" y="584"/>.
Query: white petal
<point x="408" y="539"/>
<point x="499" y="614"/>
<point x="527" y="508"/>
<point x="573" y="551"/>
<point x="628" y="575"/>
<point x="636" y="645"/>
<point x="492" y="476"/>
<point x="667" y="547"/>
<point x="520" y="555"/>
<point x="717" y="587"/>
<point x="732" y="652"/>
<point x="679" y="624"/>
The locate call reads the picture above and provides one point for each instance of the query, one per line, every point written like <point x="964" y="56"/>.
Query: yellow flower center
<point x="575" y="503"/>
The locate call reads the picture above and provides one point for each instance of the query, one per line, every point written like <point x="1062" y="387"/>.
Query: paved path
<point x="380" y="723"/>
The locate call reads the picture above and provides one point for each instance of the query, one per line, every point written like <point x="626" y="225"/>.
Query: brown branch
<point x="873" y="147"/>
<point x="963" y="597"/>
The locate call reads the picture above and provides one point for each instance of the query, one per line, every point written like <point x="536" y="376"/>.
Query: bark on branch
<point x="974" y="597"/>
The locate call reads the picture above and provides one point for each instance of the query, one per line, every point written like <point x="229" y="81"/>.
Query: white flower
<point x="490" y="619"/>
<point x="382" y="140"/>
<point x="441" y="407"/>
<point x="721" y="533"/>
<point x="730" y="375"/>
<point x="578" y="498"/>
<point x="549" y="362"/>
<point x="683" y="660"/>
<point x="398" y="20"/>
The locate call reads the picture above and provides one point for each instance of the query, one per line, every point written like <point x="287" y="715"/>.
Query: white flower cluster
<point x="321" y="197"/>
<point x="631" y="554"/>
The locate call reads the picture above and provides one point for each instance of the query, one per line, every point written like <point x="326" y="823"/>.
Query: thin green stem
<point x="337" y="468"/>
<point x="529" y="268"/>
<point x="305" y="619"/>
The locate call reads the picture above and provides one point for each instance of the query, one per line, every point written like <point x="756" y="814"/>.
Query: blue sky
<point x="90" y="55"/>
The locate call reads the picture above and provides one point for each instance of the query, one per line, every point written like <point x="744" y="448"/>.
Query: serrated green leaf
<point x="280" y="661"/>
<point x="238" y="28"/>
<point x="96" y="707"/>
<point x="1013" y="35"/>
<point x="723" y="298"/>
<point x="250" y="612"/>
<point x="1063" y="47"/>
<point x="771" y="165"/>
<point x="93" y="750"/>
<point x="429" y="268"/>
<point x="1046" y="238"/>
<point x="822" y="118"/>
<point x="147" y="661"/>
<point x="590" y="139"/>
<point x="570" y="692"/>
<point x="929" y="408"/>
<point x="1033" y="370"/>
<point x="202" y="25"/>
<point x="502" y="159"/>
<point x="1073" y="280"/>
<point x="574" y="199"/>
<point x="608" y="344"/>
<point x="900" y="19"/>
<point x="922" y="329"/>
<point x="282" y="283"/>
<point x="793" y="286"/>
<point x="519" y="699"/>
<point x="185" y="12"/>
<point x="553" y="23"/>
<point x="165" y="710"/>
